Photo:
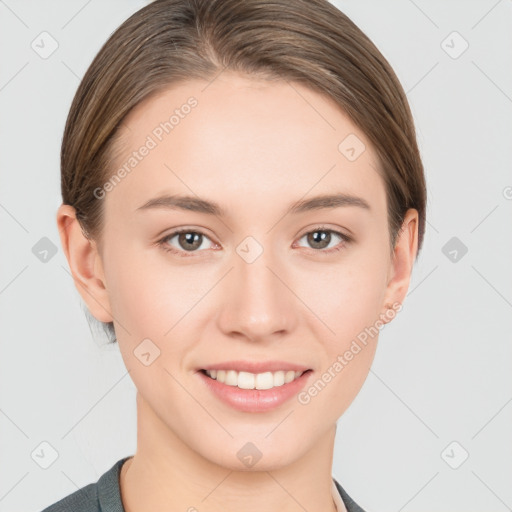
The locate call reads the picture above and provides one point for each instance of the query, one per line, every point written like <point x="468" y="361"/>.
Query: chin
<point x="254" y="453"/>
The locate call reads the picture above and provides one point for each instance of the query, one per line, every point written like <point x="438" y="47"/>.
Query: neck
<point x="166" y="474"/>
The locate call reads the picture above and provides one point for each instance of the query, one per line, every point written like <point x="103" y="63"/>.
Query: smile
<point x="246" y="380"/>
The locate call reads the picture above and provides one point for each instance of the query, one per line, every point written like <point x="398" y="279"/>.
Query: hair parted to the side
<point x="310" y="42"/>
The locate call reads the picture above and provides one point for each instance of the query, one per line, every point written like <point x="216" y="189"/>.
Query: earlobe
<point x="85" y="264"/>
<point x="404" y="255"/>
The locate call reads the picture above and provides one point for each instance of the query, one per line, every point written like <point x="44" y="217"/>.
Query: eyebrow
<point x="196" y="204"/>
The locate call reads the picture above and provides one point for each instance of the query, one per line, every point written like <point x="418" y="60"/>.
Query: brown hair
<point x="306" y="41"/>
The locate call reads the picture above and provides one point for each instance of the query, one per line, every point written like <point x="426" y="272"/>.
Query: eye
<point x="320" y="239"/>
<point x="188" y="240"/>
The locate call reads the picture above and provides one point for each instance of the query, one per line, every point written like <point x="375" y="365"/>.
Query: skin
<point x="254" y="147"/>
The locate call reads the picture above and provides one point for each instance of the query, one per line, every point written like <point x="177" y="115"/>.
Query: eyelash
<point x="163" y="241"/>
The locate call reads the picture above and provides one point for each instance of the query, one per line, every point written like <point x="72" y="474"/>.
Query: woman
<point x="243" y="203"/>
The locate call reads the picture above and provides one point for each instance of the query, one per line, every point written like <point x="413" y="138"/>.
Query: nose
<point x="258" y="304"/>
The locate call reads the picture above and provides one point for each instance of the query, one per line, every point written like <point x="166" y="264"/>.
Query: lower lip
<point x="255" y="400"/>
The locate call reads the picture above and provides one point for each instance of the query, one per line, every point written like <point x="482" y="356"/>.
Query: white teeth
<point x="243" y="380"/>
<point x="231" y="378"/>
<point x="289" y="376"/>
<point x="246" y="380"/>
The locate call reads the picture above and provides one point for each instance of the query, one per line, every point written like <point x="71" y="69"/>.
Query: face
<point x="262" y="273"/>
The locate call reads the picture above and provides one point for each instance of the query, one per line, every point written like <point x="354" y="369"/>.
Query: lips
<point x="254" y="400"/>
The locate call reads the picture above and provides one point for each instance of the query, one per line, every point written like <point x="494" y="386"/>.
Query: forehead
<point x="235" y="136"/>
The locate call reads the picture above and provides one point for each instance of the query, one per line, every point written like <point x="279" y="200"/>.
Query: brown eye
<point x="190" y="240"/>
<point x="321" y="239"/>
<point x="187" y="241"/>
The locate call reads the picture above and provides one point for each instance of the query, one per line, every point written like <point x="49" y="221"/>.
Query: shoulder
<point x="84" y="499"/>
<point x="101" y="496"/>
<point x="349" y="503"/>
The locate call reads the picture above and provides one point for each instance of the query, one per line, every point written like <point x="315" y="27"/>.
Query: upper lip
<point x="256" y="367"/>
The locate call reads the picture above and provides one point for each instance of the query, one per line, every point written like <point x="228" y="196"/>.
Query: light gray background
<point x="442" y="372"/>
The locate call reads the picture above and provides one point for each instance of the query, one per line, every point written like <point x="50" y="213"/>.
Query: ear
<point x="85" y="264"/>
<point x="399" y="274"/>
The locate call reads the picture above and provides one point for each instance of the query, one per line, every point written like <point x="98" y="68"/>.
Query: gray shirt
<point x="105" y="495"/>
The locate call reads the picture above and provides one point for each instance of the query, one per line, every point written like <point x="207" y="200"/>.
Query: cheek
<point x="347" y="297"/>
<point x="346" y="302"/>
<point x="149" y="295"/>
